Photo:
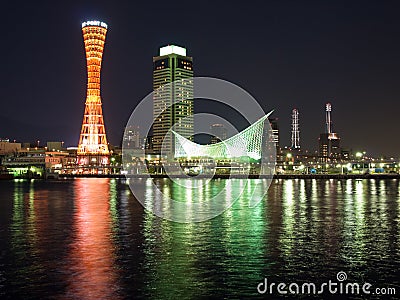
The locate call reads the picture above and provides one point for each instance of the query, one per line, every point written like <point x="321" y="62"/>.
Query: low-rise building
<point x="7" y="148"/>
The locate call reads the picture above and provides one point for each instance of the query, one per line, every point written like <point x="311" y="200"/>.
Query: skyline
<point x="312" y="77"/>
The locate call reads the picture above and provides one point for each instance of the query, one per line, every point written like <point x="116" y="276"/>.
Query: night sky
<point x="287" y="54"/>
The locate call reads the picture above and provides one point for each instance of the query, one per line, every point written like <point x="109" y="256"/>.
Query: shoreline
<point x="276" y="176"/>
<point x="220" y="176"/>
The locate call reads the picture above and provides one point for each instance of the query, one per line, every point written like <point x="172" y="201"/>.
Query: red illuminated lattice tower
<point x="93" y="147"/>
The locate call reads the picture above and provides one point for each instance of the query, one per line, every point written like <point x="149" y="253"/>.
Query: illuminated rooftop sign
<point x="94" y="23"/>
<point x="172" y="49"/>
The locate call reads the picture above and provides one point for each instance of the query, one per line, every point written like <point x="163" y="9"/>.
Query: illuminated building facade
<point x="172" y="97"/>
<point x="93" y="147"/>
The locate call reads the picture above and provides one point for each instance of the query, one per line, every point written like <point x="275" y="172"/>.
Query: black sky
<point x="285" y="53"/>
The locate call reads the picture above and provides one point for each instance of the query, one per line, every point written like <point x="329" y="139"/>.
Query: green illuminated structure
<point x="247" y="143"/>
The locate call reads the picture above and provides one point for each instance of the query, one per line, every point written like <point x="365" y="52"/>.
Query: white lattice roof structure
<point x="247" y="143"/>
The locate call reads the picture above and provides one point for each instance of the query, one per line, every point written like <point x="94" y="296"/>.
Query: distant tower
<point x="172" y="104"/>
<point x="295" y="129"/>
<point x="93" y="146"/>
<point x="329" y="142"/>
<point x="328" y="109"/>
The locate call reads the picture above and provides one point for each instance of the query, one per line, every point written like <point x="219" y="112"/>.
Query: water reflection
<point x="32" y="230"/>
<point x="90" y="239"/>
<point x="23" y="233"/>
<point x="91" y="255"/>
<point x="190" y="260"/>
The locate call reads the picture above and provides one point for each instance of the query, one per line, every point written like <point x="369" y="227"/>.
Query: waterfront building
<point x="27" y="163"/>
<point x="247" y="143"/>
<point x="238" y="154"/>
<point x="55" y="146"/>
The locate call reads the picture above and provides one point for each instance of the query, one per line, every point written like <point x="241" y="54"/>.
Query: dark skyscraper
<point x="275" y="133"/>
<point x="172" y="103"/>
<point x="218" y="132"/>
